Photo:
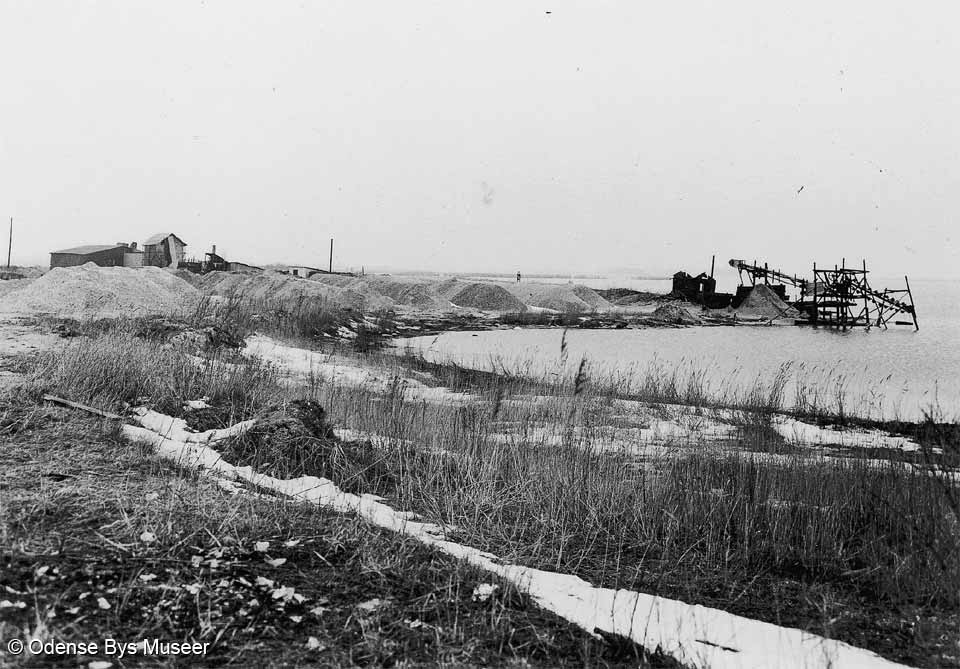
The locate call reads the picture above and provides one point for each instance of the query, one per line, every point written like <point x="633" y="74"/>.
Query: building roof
<point x="160" y="236"/>
<point x="87" y="250"/>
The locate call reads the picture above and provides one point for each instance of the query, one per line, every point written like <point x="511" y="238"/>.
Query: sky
<point x="568" y="137"/>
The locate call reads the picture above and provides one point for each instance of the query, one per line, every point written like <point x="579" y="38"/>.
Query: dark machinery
<point x="840" y="297"/>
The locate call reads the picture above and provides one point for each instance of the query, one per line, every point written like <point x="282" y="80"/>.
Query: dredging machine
<point x="839" y="297"/>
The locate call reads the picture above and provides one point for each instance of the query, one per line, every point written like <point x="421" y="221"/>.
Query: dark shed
<point x="110" y="255"/>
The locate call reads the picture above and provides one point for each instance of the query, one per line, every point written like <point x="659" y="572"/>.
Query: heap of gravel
<point x="560" y="298"/>
<point x="673" y="312"/>
<point x="567" y="298"/>
<point x="762" y="301"/>
<point x="423" y="293"/>
<point x="337" y="280"/>
<point x="91" y="292"/>
<point x="270" y="287"/>
<point x="594" y="299"/>
<point x="488" y="297"/>
<point x="420" y="293"/>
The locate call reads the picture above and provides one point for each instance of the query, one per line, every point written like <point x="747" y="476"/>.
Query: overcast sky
<point x="495" y="136"/>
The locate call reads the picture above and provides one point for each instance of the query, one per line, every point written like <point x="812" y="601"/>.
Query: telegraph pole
<point x="331" y="256"/>
<point x="10" y="243"/>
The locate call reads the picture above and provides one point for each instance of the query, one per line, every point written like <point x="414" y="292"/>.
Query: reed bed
<point x="826" y="543"/>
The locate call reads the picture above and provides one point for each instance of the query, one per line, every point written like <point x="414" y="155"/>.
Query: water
<point x="598" y="282"/>
<point x="897" y="373"/>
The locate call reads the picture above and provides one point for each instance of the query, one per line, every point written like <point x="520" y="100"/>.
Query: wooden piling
<point x="913" y="308"/>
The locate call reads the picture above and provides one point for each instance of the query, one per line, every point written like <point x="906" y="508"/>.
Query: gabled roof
<point x="160" y="236"/>
<point x="87" y="250"/>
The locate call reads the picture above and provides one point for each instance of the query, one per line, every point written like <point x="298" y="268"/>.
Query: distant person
<point x="518" y="277"/>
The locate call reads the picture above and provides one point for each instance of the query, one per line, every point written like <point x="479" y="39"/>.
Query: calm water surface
<point x="892" y="373"/>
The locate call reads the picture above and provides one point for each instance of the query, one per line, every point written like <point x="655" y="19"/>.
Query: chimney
<point x="214" y="250"/>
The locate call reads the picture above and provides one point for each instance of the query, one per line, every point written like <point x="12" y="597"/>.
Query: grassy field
<point x="103" y="540"/>
<point x="851" y="548"/>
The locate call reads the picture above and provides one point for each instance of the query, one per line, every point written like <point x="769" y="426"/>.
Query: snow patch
<point x="306" y="364"/>
<point x="797" y="431"/>
<point x="695" y="635"/>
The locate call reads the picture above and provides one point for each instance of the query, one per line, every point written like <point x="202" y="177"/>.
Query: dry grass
<point x="101" y="540"/>
<point x="118" y="368"/>
<point x="845" y="547"/>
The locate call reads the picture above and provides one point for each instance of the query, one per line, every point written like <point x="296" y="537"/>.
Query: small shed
<point x="105" y="255"/>
<point x="164" y="249"/>
<point x="214" y="262"/>
<point x="303" y="271"/>
<point x="242" y="267"/>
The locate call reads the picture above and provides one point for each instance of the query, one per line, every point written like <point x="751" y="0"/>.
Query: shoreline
<point x="489" y="454"/>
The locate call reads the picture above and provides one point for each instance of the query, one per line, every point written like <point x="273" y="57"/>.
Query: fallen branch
<point x="82" y="407"/>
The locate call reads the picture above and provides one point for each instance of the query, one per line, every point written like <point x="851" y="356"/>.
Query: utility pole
<point x="331" y="256"/>
<point x="10" y="243"/>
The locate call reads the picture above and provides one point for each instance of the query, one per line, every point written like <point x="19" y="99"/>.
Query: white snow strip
<point x="695" y="635"/>
<point x="799" y="432"/>
<point x="791" y="429"/>
<point x="177" y="430"/>
<point x="305" y="363"/>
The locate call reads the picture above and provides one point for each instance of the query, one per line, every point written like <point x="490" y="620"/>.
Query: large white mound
<point x="89" y="292"/>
